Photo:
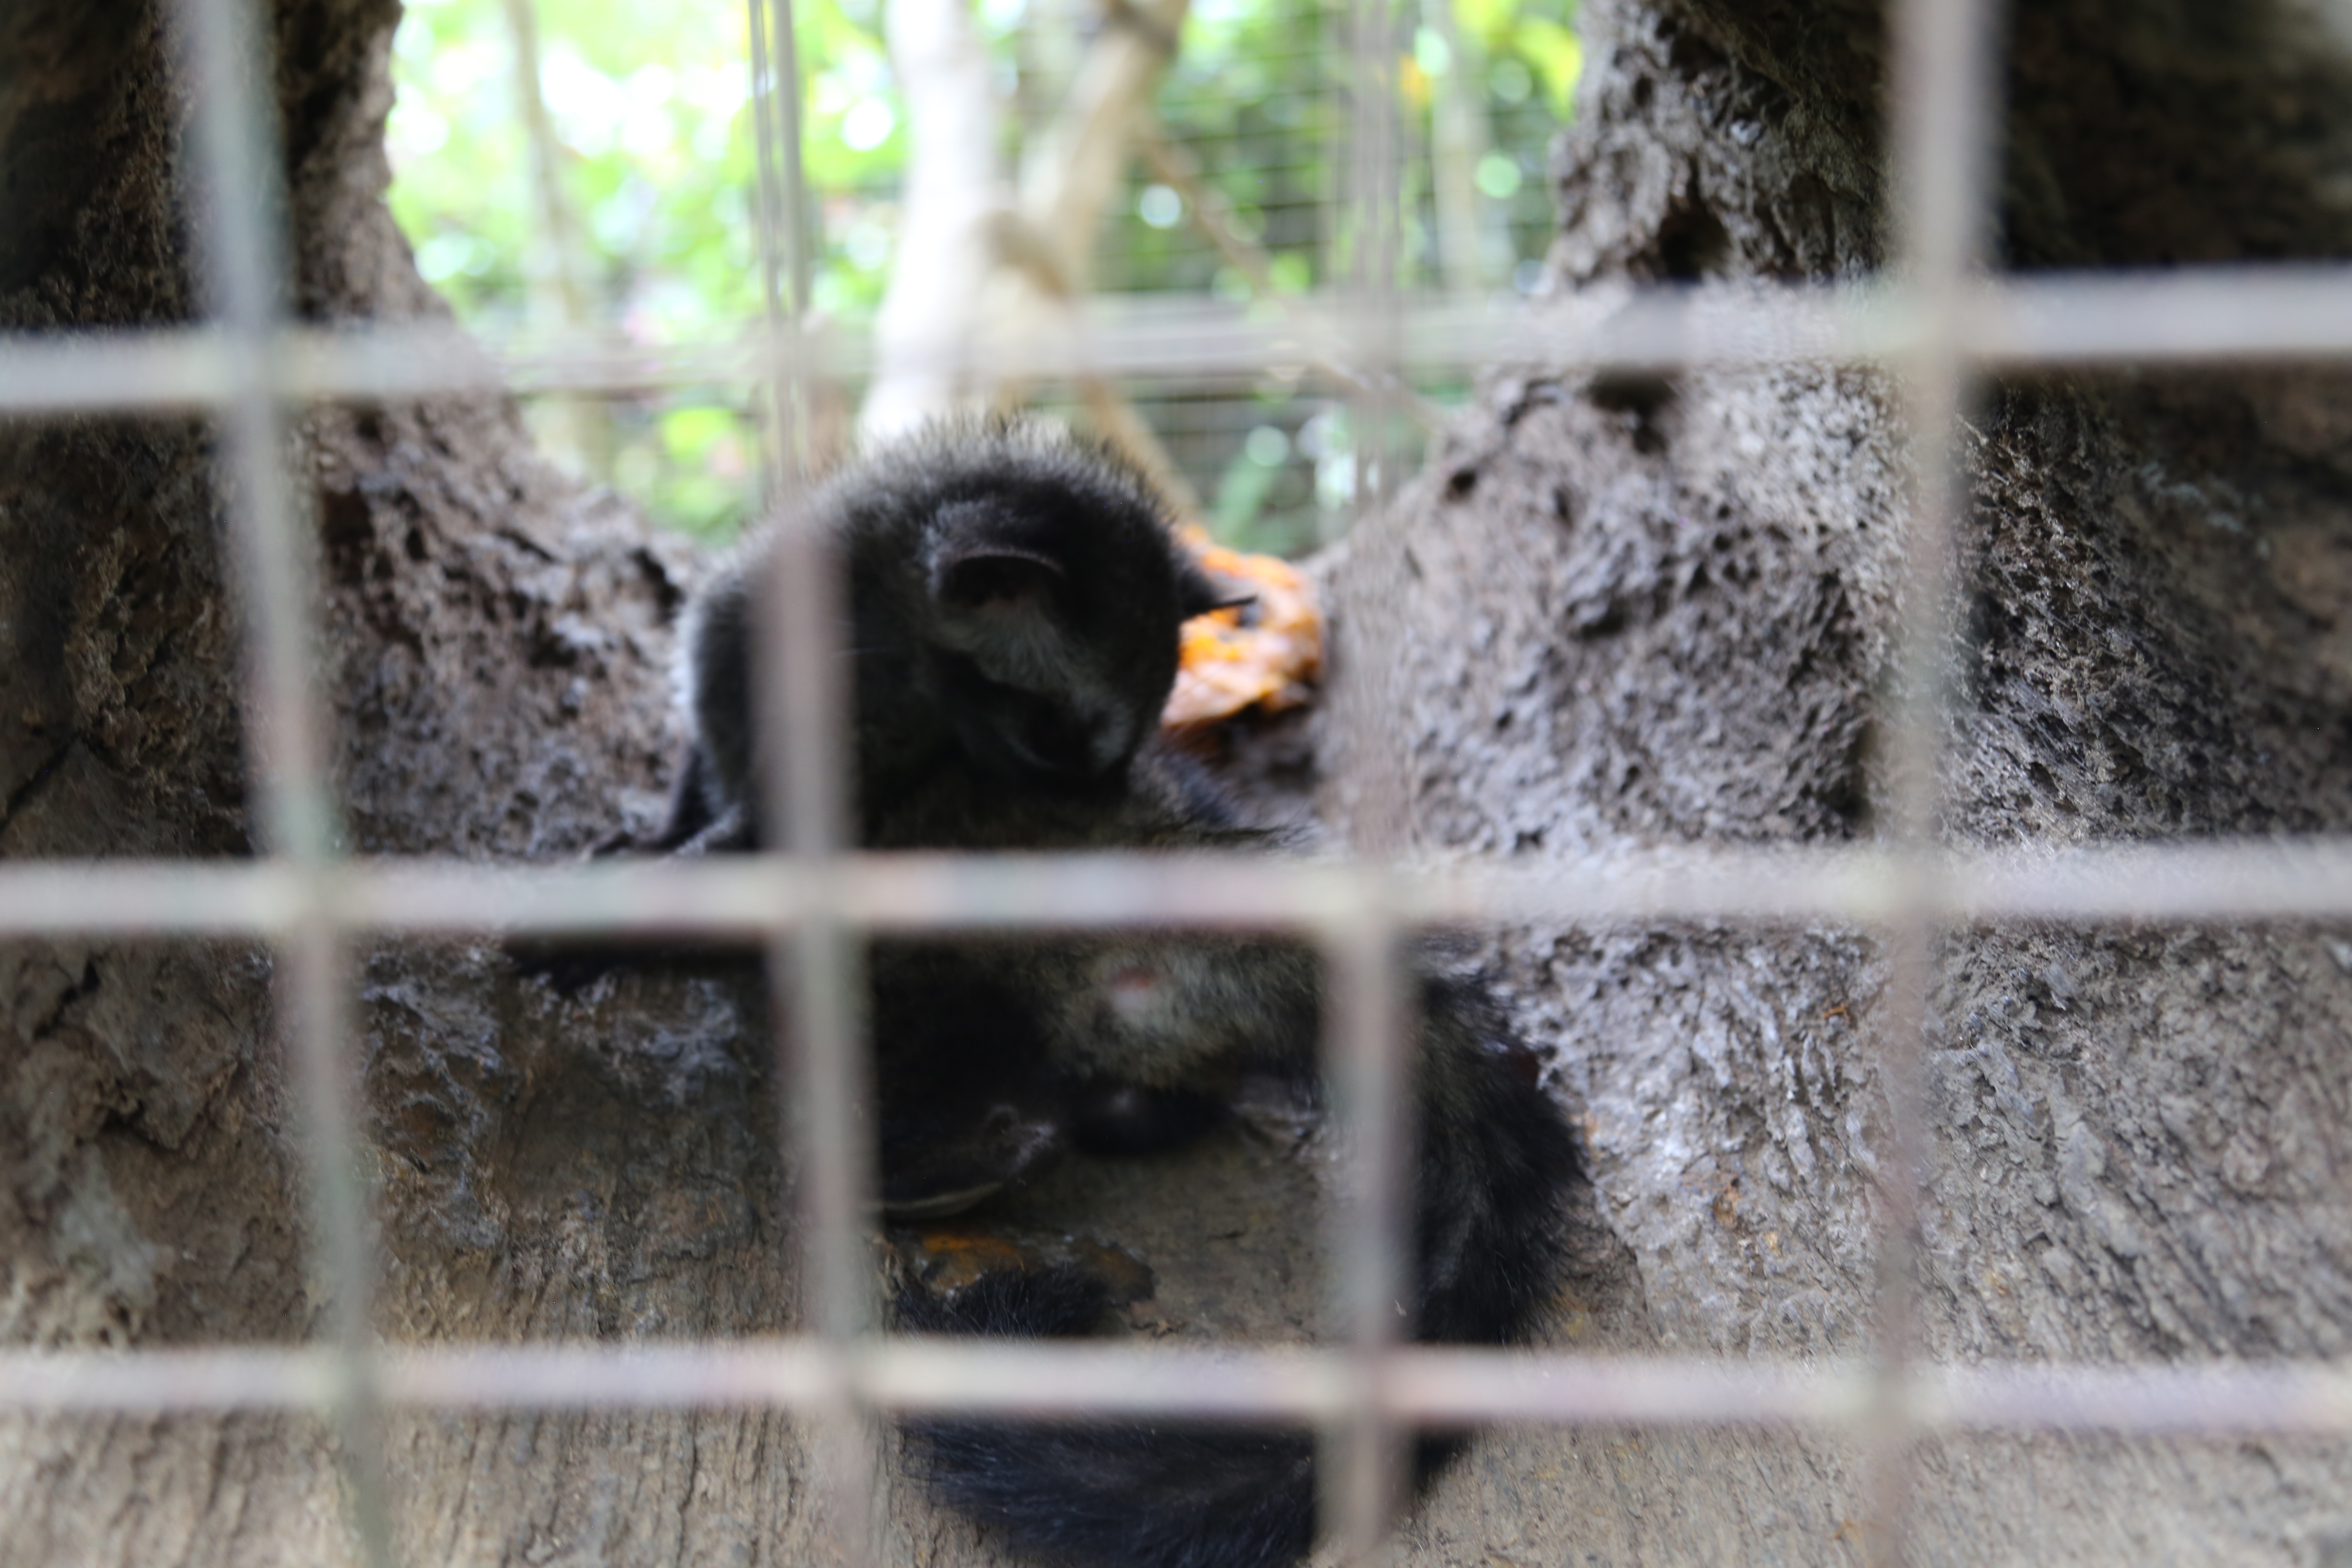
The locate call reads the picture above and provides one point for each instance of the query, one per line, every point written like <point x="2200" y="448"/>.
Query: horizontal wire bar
<point x="2186" y="317"/>
<point x="1424" y="1385"/>
<point x="747" y="896"/>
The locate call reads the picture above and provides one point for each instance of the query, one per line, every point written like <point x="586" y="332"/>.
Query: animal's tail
<point x="1496" y="1167"/>
<point x="1173" y="1495"/>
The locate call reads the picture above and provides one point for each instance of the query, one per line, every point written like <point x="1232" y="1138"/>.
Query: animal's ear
<point x="996" y="577"/>
<point x="1197" y="593"/>
<point x="980" y="558"/>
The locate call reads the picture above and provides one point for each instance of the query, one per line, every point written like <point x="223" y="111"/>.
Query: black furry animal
<point x="1015" y="602"/>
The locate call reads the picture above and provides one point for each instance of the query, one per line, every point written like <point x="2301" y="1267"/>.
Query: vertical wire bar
<point x="781" y="205"/>
<point x="800" y="260"/>
<point x="1944" y="110"/>
<point x="804" y="745"/>
<point x="1364" y="1048"/>
<point x="1372" y="223"/>
<point x="1369" y="316"/>
<point x="1370" y="1020"/>
<point x="769" y="194"/>
<point x="824" y="1109"/>
<point x="243" y="271"/>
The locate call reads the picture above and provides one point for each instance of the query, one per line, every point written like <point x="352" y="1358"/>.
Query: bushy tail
<point x="1159" y="1495"/>
<point x="1496" y="1164"/>
<point x="1166" y="1497"/>
<point x="1495" y="1169"/>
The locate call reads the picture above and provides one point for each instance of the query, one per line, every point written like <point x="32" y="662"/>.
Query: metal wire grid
<point x="2194" y="316"/>
<point x="1934" y="324"/>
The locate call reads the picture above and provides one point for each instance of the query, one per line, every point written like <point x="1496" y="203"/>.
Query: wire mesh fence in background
<point x="1933" y="322"/>
<point x="536" y="171"/>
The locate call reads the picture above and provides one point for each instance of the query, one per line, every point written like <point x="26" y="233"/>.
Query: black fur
<point x="1158" y="1495"/>
<point x="1172" y="1495"/>
<point x="1014" y="602"/>
<point x="1496" y="1165"/>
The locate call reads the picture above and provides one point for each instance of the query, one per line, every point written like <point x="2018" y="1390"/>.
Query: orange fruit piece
<point x="1266" y="654"/>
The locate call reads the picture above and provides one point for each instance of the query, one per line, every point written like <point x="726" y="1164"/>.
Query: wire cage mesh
<point x="1938" y="322"/>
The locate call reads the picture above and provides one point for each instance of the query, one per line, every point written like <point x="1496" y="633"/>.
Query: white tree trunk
<point x="1068" y="179"/>
<point x="975" y="263"/>
<point x="952" y="192"/>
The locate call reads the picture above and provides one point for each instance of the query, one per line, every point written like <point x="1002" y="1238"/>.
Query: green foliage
<point x="459" y="159"/>
<point x="1259" y="98"/>
<point x="1255" y="97"/>
<point x="649" y="105"/>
